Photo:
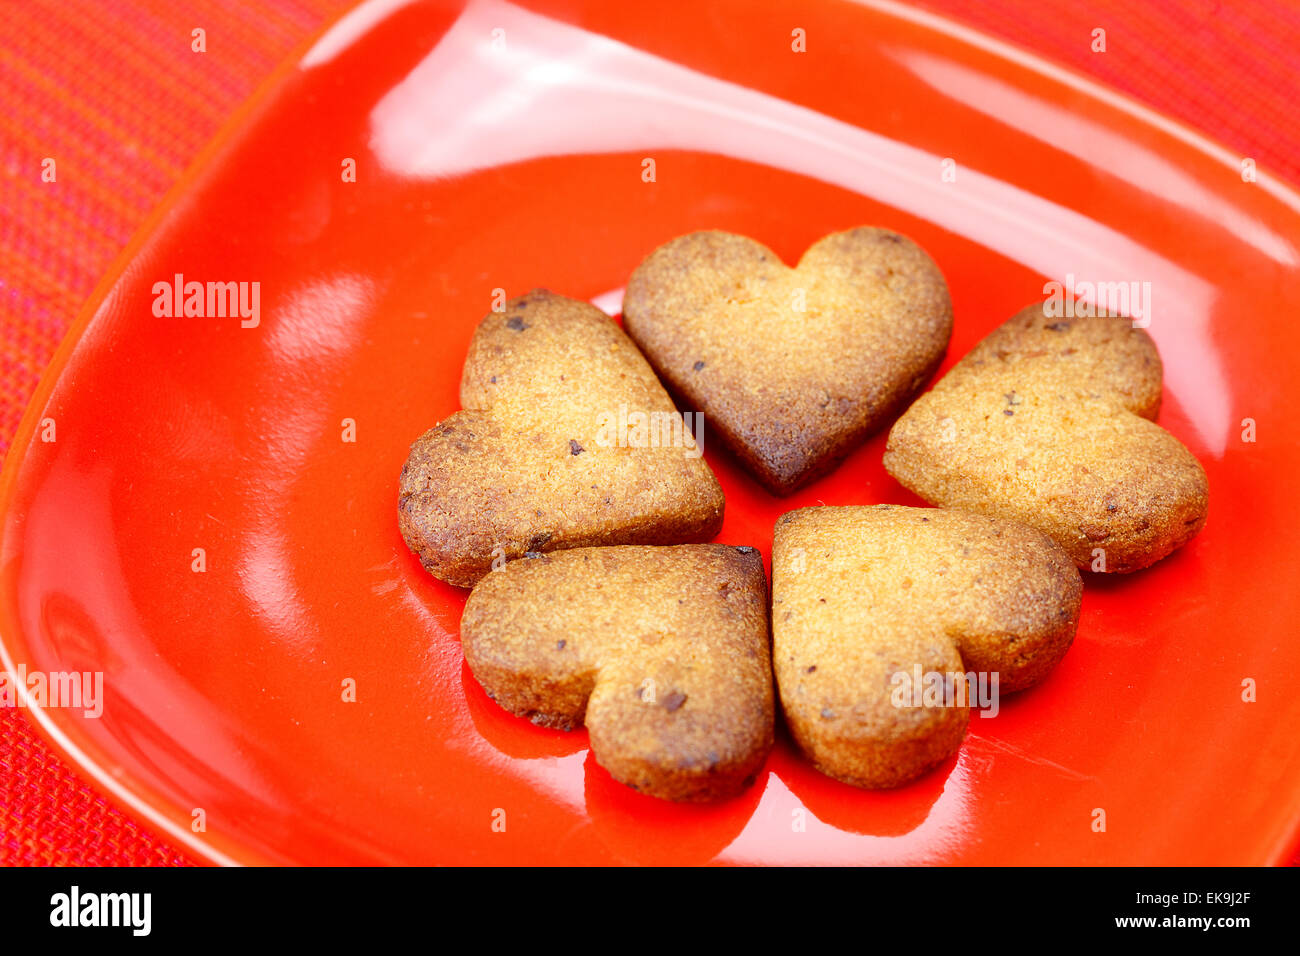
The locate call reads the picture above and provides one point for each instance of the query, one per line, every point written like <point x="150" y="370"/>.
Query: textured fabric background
<point x="113" y="90"/>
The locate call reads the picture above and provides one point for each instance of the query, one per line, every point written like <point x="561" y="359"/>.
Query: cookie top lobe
<point x="793" y="367"/>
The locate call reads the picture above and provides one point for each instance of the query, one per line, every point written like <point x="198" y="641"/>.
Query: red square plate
<point x="503" y="146"/>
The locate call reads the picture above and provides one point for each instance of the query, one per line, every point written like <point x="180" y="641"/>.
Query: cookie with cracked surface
<point x="792" y="367"/>
<point x="1050" y="421"/>
<point x="881" y="616"/>
<point x="661" y="651"/>
<point x="536" y="461"/>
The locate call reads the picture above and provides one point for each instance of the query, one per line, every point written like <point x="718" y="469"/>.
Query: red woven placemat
<point x="114" y="92"/>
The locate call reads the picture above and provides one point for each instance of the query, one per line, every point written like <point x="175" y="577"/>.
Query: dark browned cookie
<point x="1049" y="421"/>
<point x="792" y="367"/>
<point x="888" y="622"/>
<point x="542" y="457"/>
<point x="661" y="651"/>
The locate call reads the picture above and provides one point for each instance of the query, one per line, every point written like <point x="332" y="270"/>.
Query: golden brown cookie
<point x="1049" y="421"/>
<point x="792" y="367"/>
<point x="542" y="457"/>
<point x="661" y="651"/>
<point x="888" y="622"/>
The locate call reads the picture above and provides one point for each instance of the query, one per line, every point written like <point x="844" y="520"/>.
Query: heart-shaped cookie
<point x="1048" y="421"/>
<point x="888" y="622"/>
<point x="566" y="439"/>
<point x="792" y="367"/>
<point x="662" y="652"/>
